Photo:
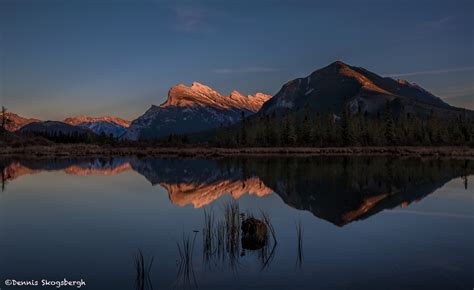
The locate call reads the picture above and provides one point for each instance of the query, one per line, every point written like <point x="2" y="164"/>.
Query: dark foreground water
<point x="366" y="223"/>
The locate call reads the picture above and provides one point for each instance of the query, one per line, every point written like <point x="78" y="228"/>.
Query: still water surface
<point x="367" y="222"/>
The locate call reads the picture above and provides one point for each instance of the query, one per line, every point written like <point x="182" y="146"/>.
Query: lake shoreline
<point x="82" y="150"/>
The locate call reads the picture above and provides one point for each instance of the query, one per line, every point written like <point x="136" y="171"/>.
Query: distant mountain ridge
<point x="52" y="127"/>
<point x="107" y="125"/>
<point x="192" y="109"/>
<point x="13" y="121"/>
<point x="338" y="84"/>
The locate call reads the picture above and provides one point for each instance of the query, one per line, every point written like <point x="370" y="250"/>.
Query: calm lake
<point x="333" y="222"/>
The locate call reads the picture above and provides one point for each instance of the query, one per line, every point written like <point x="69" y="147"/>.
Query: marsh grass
<point x="142" y="272"/>
<point x="232" y="231"/>
<point x="208" y="236"/>
<point x="220" y="236"/>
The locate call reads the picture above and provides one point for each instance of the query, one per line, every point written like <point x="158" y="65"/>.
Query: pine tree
<point x="346" y="132"/>
<point x="4" y="117"/>
<point x="389" y="132"/>
<point x="316" y="132"/>
<point x="243" y="130"/>
<point x="4" y="179"/>
<point x="289" y="131"/>
<point x="305" y="132"/>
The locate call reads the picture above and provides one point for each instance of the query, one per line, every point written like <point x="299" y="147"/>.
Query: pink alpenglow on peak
<point x="14" y="122"/>
<point x="107" y="125"/>
<point x="201" y="95"/>
<point x="86" y="119"/>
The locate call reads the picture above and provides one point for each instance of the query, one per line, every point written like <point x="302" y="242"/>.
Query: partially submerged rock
<point x="254" y="234"/>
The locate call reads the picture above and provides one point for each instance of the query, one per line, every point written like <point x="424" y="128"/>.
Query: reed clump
<point x="186" y="276"/>
<point x="223" y="238"/>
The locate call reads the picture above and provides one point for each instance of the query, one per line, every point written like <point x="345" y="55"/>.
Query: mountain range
<point x="197" y="108"/>
<point x="107" y="125"/>
<point x="13" y="121"/>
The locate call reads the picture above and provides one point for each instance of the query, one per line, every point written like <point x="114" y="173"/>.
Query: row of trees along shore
<point x="75" y="137"/>
<point x="309" y="129"/>
<point x="349" y="129"/>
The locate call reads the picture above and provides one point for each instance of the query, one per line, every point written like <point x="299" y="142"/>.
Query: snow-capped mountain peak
<point x="101" y="125"/>
<point x="201" y="95"/>
<point x="191" y="109"/>
<point x="87" y="119"/>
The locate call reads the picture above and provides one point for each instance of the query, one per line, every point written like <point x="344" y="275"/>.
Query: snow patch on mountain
<point x="101" y="125"/>
<point x="106" y="128"/>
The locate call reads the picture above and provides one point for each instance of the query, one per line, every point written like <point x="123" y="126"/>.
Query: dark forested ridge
<point x="309" y="129"/>
<point x="343" y="105"/>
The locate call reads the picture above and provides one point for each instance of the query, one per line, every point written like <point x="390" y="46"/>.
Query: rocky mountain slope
<point x="13" y="121"/>
<point x="331" y="88"/>
<point x="192" y="109"/>
<point x="86" y="119"/>
<point x="98" y="125"/>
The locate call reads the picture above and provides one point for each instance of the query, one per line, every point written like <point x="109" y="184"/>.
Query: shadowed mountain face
<point x="193" y="109"/>
<point x="332" y="87"/>
<point x="51" y="127"/>
<point x="98" y="125"/>
<point x="338" y="189"/>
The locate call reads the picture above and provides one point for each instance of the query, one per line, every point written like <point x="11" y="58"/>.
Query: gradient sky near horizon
<point x="60" y="58"/>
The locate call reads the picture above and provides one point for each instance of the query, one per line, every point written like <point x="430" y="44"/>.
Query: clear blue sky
<point x="111" y="57"/>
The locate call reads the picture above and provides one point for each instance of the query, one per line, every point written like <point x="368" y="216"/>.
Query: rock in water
<point x="254" y="234"/>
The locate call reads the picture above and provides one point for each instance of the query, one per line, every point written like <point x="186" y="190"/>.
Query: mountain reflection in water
<point x="337" y="189"/>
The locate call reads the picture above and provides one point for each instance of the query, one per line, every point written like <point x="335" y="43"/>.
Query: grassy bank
<point x="81" y="150"/>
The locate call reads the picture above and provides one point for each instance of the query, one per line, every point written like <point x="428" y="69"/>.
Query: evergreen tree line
<point x="307" y="129"/>
<point x="349" y="129"/>
<point x="75" y="137"/>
